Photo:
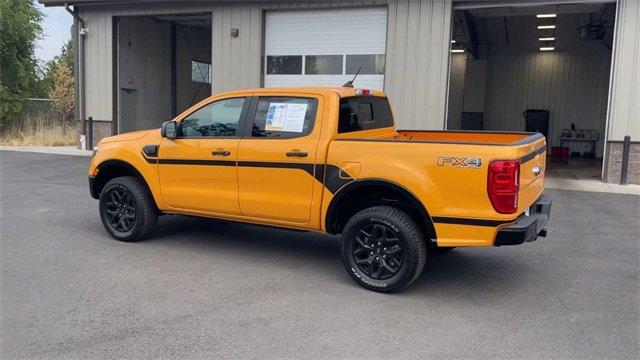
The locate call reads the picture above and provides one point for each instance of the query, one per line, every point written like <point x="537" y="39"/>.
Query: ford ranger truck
<point x="327" y="160"/>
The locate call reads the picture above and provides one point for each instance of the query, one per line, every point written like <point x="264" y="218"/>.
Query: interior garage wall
<point x="572" y="85"/>
<point x="145" y="57"/>
<point x="418" y="39"/>
<point x="192" y="43"/>
<point x="571" y="82"/>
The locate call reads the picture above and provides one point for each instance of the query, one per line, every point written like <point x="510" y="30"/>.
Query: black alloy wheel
<point x="383" y="248"/>
<point x="377" y="251"/>
<point x="120" y="209"/>
<point x="127" y="209"/>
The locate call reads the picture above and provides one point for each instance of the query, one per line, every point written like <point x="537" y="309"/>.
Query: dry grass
<point x="39" y="131"/>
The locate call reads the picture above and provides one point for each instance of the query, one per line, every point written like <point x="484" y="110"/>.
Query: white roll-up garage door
<point x="325" y="47"/>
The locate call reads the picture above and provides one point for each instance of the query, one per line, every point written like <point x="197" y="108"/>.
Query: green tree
<point x="61" y="93"/>
<point x="65" y="58"/>
<point x="19" y="30"/>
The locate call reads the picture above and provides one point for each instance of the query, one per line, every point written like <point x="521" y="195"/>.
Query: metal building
<point x="141" y="62"/>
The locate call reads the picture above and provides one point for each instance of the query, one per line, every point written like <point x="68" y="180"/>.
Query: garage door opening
<point x="164" y="67"/>
<point x="325" y="47"/>
<point x="539" y="68"/>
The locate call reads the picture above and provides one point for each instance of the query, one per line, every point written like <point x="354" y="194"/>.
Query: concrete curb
<point x="591" y="186"/>
<point x="55" y="150"/>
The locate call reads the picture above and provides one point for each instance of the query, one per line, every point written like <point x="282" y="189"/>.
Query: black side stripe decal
<point x="333" y="181"/>
<point x="533" y="154"/>
<point x="279" y="165"/>
<point x="196" y="162"/>
<point x="472" y="222"/>
<point x="329" y="175"/>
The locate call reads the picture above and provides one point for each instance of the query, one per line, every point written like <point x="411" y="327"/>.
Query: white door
<point x="325" y="47"/>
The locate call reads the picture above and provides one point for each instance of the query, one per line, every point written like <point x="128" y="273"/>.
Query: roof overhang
<point x="128" y="2"/>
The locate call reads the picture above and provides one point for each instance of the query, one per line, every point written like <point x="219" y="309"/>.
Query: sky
<point x="56" y="30"/>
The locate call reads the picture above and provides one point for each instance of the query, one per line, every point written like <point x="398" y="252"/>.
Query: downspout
<point x="80" y="32"/>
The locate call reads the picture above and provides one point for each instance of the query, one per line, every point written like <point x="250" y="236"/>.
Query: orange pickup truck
<point x="328" y="160"/>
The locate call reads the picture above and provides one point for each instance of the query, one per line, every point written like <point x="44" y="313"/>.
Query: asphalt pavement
<point x="202" y="289"/>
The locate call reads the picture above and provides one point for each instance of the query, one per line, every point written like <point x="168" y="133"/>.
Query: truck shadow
<point x="456" y="273"/>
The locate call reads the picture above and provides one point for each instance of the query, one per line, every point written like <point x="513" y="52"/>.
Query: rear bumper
<point x="527" y="228"/>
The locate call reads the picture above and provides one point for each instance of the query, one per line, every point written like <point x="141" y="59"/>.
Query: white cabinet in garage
<point x="325" y="47"/>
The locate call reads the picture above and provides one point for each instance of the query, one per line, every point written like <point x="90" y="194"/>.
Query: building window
<point x="369" y="64"/>
<point x="284" y="65"/>
<point x="323" y="64"/>
<point x="200" y="72"/>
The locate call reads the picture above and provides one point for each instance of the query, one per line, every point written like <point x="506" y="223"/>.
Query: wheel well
<point x="112" y="169"/>
<point x="364" y="194"/>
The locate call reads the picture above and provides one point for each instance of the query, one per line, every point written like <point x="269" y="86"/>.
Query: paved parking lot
<point x="209" y="289"/>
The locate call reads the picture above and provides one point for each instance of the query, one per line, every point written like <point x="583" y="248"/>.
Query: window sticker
<point x="286" y="117"/>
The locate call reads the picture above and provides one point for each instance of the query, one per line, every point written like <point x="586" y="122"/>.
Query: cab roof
<point x="340" y="91"/>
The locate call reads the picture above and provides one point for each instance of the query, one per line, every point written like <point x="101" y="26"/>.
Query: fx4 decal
<point x="474" y="163"/>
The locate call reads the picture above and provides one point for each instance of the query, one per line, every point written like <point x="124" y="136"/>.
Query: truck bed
<point x="469" y="137"/>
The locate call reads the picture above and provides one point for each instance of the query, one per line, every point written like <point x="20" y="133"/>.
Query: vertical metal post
<point x="90" y="133"/>
<point x="625" y="160"/>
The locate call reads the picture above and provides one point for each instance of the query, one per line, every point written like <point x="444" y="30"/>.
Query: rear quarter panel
<point x="447" y="192"/>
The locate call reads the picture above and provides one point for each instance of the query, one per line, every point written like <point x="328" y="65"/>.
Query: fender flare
<point x="117" y="163"/>
<point x="357" y="184"/>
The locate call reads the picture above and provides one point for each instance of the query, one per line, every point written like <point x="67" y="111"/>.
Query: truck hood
<point x="135" y="135"/>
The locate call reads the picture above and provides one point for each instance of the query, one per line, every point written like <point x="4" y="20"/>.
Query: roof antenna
<point x="350" y="82"/>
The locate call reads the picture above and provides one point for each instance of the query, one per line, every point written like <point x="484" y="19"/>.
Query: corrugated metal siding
<point x="417" y="51"/>
<point x="418" y="40"/>
<point x="98" y="65"/>
<point x="624" y="112"/>
<point x="236" y="61"/>
<point x="572" y="85"/>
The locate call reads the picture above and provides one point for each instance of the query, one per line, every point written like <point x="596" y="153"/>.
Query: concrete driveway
<point x="209" y="289"/>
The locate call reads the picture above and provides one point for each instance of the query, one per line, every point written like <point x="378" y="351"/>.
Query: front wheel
<point x="383" y="249"/>
<point x="127" y="209"/>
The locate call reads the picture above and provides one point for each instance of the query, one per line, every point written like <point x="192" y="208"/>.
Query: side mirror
<point x="169" y="130"/>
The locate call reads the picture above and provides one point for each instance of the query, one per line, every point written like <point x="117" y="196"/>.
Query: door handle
<point x="297" y="153"/>
<point x="221" y="153"/>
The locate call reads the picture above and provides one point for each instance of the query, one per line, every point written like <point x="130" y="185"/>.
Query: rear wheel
<point x="127" y="209"/>
<point x="383" y="249"/>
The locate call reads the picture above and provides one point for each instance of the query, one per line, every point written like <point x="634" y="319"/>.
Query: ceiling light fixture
<point x="542" y="16"/>
<point x="543" y="27"/>
<point x="547" y="39"/>
<point x="457" y="50"/>
<point x="547" y="48"/>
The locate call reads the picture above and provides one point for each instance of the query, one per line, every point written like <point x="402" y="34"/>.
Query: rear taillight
<point x="502" y="185"/>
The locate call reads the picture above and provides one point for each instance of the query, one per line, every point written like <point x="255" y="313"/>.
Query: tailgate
<point x="532" y="171"/>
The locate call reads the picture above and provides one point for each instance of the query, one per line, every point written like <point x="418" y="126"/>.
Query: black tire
<point x="399" y="245"/>
<point x="127" y="209"/>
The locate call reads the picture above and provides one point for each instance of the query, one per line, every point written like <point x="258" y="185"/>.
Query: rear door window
<point x="364" y="113"/>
